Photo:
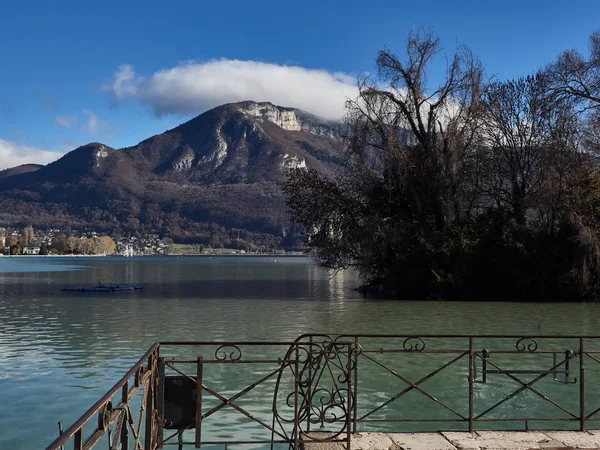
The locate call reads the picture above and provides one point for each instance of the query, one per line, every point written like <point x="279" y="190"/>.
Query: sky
<point x="74" y="72"/>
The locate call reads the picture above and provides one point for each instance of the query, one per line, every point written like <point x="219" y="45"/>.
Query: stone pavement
<point x="478" y="440"/>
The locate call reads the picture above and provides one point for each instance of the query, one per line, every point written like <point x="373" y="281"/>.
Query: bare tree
<point x="516" y="128"/>
<point x="28" y="236"/>
<point x="73" y="244"/>
<point x="407" y="152"/>
<point x="573" y="75"/>
<point x="414" y="137"/>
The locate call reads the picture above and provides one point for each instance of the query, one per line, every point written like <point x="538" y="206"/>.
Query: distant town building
<point x="31" y="250"/>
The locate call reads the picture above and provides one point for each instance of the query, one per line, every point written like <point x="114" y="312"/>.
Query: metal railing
<point x="322" y="388"/>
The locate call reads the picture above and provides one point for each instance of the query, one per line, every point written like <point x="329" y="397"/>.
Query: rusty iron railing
<point x="116" y="407"/>
<point x="322" y="388"/>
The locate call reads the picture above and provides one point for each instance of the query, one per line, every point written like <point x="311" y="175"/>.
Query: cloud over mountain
<point x="193" y="87"/>
<point x="12" y="155"/>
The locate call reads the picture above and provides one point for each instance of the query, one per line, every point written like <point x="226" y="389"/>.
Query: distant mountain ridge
<point x="23" y="168"/>
<point x="215" y="177"/>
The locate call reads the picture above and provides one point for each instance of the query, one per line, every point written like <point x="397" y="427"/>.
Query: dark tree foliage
<point x="470" y="190"/>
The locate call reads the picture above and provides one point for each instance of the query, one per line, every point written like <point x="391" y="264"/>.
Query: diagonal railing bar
<point x="240" y="393"/>
<point x="410" y="388"/>
<point x="593" y="413"/>
<point x="592" y="357"/>
<point x="170" y="366"/>
<point x="417" y="388"/>
<point x="142" y="409"/>
<point x="596" y="411"/>
<point x="524" y="387"/>
<point x="131" y="422"/>
<point x="240" y="409"/>
<point x="178" y="432"/>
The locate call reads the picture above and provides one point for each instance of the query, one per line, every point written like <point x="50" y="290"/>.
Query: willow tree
<point x="412" y="168"/>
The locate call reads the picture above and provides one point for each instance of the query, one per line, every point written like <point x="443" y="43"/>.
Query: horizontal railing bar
<point x="516" y="352"/>
<point x="532" y="372"/>
<point x="466" y="349"/>
<point x="239" y="361"/>
<point x="226" y="343"/>
<point x="503" y="419"/>
<point x="457" y="336"/>
<point x="411" y="420"/>
<point x="69" y="432"/>
<point x="522" y="419"/>
<point x="416" y="352"/>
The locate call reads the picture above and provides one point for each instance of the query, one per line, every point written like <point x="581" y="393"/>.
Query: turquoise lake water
<point x="61" y="351"/>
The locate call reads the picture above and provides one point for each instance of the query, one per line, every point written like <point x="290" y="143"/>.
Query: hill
<point x="23" y="168"/>
<point x="213" y="180"/>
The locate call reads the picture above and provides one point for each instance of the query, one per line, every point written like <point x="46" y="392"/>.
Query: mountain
<point x="212" y="180"/>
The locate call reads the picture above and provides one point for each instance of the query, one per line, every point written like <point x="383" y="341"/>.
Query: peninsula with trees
<point x="459" y="185"/>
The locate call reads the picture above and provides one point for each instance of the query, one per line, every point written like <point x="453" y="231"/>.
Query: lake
<point x="60" y="351"/>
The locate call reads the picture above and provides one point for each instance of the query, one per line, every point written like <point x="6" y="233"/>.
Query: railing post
<point x="355" y="392"/>
<point x="161" y="400"/>
<point x="296" y="412"/>
<point x="199" y="375"/>
<point x="581" y="387"/>
<point x="78" y="441"/>
<point x="349" y="399"/>
<point x="309" y="387"/>
<point x="125" y="429"/>
<point x="149" y="410"/>
<point x="471" y="381"/>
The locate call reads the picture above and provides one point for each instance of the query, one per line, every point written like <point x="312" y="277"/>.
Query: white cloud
<point x="64" y="121"/>
<point x="12" y="154"/>
<point x="94" y="125"/>
<point x="192" y="88"/>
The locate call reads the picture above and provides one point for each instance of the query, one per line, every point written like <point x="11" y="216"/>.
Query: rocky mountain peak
<point x="285" y="118"/>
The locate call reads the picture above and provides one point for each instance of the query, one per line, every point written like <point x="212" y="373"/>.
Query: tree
<point x="72" y="244"/>
<point x="87" y="246"/>
<point x="43" y="249"/>
<point x="409" y="150"/>
<point x="59" y="244"/>
<point x="517" y="130"/>
<point x="10" y="241"/>
<point x="105" y="245"/>
<point x="471" y="190"/>
<point x="575" y="76"/>
<point x="28" y="236"/>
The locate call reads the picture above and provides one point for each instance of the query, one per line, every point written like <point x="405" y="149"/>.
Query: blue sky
<point x="74" y="72"/>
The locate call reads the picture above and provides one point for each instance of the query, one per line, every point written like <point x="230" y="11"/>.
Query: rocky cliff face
<point x="242" y="143"/>
<point x="222" y="168"/>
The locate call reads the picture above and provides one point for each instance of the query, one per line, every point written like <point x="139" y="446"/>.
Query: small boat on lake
<point x="103" y="288"/>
